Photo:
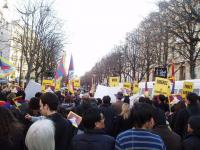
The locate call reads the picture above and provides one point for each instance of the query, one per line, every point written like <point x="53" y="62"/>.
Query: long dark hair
<point x="9" y="125"/>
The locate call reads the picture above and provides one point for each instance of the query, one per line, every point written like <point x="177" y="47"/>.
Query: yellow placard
<point x="77" y="83"/>
<point x="57" y="86"/>
<point x="162" y="86"/>
<point x="113" y="81"/>
<point x="187" y="88"/>
<point x="135" y="87"/>
<point x="127" y="85"/>
<point x="45" y="84"/>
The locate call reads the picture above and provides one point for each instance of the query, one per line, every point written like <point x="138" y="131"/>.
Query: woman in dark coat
<point x="11" y="131"/>
<point x="192" y="141"/>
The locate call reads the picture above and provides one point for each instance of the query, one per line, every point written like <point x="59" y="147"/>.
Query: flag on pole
<point x="60" y="72"/>
<point x="70" y="76"/>
<point x="6" y="68"/>
<point x="173" y="79"/>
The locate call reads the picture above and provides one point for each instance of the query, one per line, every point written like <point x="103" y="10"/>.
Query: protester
<point x="192" y="142"/>
<point x="109" y="114"/>
<point x="63" y="128"/>
<point x="162" y="129"/>
<point x="11" y="131"/>
<point x="94" y="137"/>
<point x="184" y="115"/>
<point x="118" y="104"/>
<point x="139" y="137"/>
<point x="40" y="136"/>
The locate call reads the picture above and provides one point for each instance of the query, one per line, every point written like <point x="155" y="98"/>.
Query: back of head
<point x="140" y="114"/>
<point x="192" y="98"/>
<point x="51" y="100"/>
<point x="162" y="98"/>
<point x="90" y="117"/>
<point x="159" y="117"/>
<point x="40" y="136"/>
<point x="38" y="94"/>
<point x="194" y="123"/>
<point x="34" y="103"/>
<point x="106" y="99"/>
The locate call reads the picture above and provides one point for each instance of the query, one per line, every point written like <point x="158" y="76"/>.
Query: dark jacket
<point x="93" y="140"/>
<point x="63" y="131"/>
<point x="170" y="138"/>
<point x="183" y="117"/>
<point x="192" y="142"/>
<point x="17" y="143"/>
<point x="109" y="115"/>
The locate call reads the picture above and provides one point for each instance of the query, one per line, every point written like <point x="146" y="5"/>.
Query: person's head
<point x="99" y="101"/>
<point x="194" y="125"/>
<point x="86" y="97"/>
<point x="125" y="111"/>
<point x="9" y="125"/>
<point x="192" y="98"/>
<point x="141" y="99"/>
<point x="162" y="98"/>
<point x="106" y="99"/>
<point x="159" y="117"/>
<point x="142" y="116"/>
<point x="93" y="119"/>
<point x="48" y="103"/>
<point x="34" y="105"/>
<point x="119" y="95"/>
<point x="40" y="136"/>
<point x="38" y="94"/>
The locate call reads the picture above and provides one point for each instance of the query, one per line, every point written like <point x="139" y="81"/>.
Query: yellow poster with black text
<point x="127" y="86"/>
<point x="135" y="87"/>
<point x="113" y="81"/>
<point x="187" y="88"/>
<point x="46" y="84"/>
<point x="77" y="83"/>
<point x="58" y="83"/>
<point x="162" y="86"/>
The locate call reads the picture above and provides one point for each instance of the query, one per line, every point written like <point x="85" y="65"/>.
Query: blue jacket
<point x="93" y="140"/>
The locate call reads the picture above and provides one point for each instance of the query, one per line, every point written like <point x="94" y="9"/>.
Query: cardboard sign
<point x="77" y="83"/>
<point x="187" y="88"/>
<point x="31" y="89"/>
<point x="113" y="81"/>
<point x="135" y="87"/>
<point x="47" y="84"/>
<point x="162" y="86"/>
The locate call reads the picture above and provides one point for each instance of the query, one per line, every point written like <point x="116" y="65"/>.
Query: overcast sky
<point x="93" y="27"/>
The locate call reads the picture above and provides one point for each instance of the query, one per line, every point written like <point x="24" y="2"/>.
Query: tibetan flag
<point x="71" y="69"/>
<point x="70" y="83"/>
<point x="60" y="72"/>
<point x="6" y="68"/>
<point x="173" y="79"/>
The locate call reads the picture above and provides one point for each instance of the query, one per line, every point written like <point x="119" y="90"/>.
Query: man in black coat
<point x="94" y="137"/>
<point x="63" y="128"/>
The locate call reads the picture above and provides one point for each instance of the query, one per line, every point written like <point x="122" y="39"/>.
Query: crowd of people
<point x="41" y="123"/>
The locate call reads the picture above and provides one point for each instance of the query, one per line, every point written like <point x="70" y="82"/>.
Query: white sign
<point x="31" y="89"/>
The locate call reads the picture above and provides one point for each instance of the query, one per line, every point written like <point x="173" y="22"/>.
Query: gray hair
<point x="40" y="135"/>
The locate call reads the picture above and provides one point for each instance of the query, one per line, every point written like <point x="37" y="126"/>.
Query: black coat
<point x="93" y="140"/>
<point x="192" y="142"/>
<point x="170" y="138"/>
<point x="183" y="117"/>
<point x="109" y="115"/>
<point x="63" y="131"/>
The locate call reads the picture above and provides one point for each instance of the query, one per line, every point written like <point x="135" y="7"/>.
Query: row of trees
<point x="39" y="37"/>
<point x="172" y="33"/>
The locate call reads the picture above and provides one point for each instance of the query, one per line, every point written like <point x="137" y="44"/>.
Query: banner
<point x="6" y="68"/>
<point x="47" y="84"/>
<point x="58" y="84"/>
<point x="77" y="83"/>
<point x="113" y="81"/>
<point x="135" y="87"/>
<point x="162" y="86"/>
<point x="187" y="88"/>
